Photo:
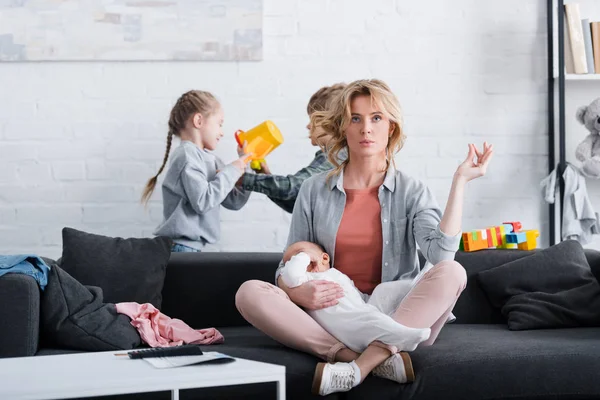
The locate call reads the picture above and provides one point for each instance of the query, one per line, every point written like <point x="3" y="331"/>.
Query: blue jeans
<point x="180" y="248"/>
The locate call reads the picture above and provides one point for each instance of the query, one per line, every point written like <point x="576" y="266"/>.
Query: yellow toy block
<point x="531" y="242"/>
<point x="498" y="236"/>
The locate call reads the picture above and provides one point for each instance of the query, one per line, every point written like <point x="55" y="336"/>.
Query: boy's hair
<point x="322" y="98"/>
<point x="188" y="104"/>
<point x="333" y="121"/>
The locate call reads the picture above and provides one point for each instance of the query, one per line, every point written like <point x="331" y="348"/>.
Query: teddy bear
<point x="588" y="151"/>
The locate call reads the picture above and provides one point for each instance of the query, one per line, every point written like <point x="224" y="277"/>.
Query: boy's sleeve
<point x="285" y="187"/>
<point x="204" y="195"/>
<point x="285" y="205"/>
<point x="280" y="187"/>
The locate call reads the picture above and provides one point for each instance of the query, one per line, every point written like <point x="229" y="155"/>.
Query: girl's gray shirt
<point x="195" y="187"/>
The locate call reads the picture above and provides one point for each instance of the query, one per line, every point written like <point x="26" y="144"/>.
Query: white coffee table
<point x="68" y="376"/>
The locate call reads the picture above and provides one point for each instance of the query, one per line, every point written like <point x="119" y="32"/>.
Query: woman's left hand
<point x="473" y="168"/>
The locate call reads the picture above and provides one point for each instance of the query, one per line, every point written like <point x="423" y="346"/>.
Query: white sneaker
<point x="331" y="378"/>
<point x="397" y="368"/>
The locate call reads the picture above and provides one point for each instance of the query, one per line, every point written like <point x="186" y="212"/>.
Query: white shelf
<point x="582" y="77"/>
<point x="579" y="77"/>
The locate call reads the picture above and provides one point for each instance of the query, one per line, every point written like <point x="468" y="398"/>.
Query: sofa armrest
<point x="19" y="315"/>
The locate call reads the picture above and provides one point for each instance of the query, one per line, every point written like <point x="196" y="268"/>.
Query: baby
<point x="355" y="321"/>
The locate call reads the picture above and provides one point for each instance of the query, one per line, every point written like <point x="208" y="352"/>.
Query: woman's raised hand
<point x="476" y="163"/>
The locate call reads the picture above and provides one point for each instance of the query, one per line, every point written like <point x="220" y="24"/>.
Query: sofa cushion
<point x="473" y="306"/>
<point x="191" y="278"/>
<point x="127" y="270"/>
<point x="249" y="343"/>
<point x="491" y="362"/>
<point x="74" y="316"/>
<point x="551" y="288"/>
<point x="467" y="361"/>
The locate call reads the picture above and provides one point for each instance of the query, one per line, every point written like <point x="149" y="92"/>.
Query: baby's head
<point x="319" y="258"/>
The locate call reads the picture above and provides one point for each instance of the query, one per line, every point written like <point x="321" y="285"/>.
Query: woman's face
<point x="369" y="128"/>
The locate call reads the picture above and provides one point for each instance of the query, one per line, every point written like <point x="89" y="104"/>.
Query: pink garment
<point x="158" y="330"/>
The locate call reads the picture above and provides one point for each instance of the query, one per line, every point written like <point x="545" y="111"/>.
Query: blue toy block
<point x="516" y="238"/>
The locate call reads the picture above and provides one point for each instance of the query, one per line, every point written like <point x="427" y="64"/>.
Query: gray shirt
<point x="193" y="192"/>
<point x="410" y="216"/>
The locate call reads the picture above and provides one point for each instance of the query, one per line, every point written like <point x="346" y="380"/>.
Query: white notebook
<point x="181" y="361"/>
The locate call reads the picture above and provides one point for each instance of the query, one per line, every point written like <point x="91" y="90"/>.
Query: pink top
<point x="359" y="240"/>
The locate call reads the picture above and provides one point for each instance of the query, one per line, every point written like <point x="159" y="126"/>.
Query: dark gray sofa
<point x="476" y="357"/>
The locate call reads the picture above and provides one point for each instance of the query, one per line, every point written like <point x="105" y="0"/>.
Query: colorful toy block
<point x="516" y="226"/>
<point x="516" y="238"/>
<point x="531" y="241"/>
<point x="475" y="240"/>
<point x="505" y="236"/>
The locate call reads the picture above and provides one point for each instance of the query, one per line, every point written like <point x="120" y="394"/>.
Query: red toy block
<point x="490" y="238"/>
<point x="516" y="226"/>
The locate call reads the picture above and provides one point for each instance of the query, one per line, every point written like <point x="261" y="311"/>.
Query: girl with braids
<point x="197" y="182"/>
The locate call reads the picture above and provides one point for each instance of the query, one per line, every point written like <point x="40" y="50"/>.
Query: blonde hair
<point x="333" y="121"/>
<point x="322" y="98"/>
<point x="188" y="104"/>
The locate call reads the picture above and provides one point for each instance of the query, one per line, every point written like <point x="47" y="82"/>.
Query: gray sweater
<point x="193" y="192"/>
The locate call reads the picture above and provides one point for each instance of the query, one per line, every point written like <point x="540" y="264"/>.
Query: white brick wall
<point x="79" y="140"/>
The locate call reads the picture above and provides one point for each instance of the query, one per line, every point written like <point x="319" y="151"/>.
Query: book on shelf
<point x="595" y="28"/>
<point x="568" y="53"/>
<point x="587" y="41"/>
<point x="576" y="40"/>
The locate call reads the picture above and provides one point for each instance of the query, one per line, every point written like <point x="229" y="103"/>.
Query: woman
<point x="370" y="217"/>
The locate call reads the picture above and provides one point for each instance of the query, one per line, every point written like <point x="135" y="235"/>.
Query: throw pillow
<point x="127" y="270"/>
<point x="553" y="288"/>
<point x="74" y="316"/>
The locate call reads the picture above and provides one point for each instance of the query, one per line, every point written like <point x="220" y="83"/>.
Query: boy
<point x="283" y="189"/>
